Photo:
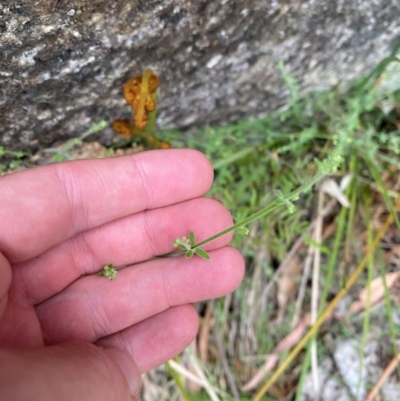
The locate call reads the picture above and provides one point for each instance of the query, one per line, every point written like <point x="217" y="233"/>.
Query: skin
<point x="68" y="334"/>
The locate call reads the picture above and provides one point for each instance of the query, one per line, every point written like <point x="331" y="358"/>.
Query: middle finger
<point x="127" y="240"/>
<point x="93" y="307"/>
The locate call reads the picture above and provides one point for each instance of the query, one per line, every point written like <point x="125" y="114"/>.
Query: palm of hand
<point x="63" y="223"/>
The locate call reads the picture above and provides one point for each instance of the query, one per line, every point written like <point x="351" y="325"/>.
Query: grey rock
<point x="352" y="369"/>
<point x="352" y="372"/>
<point x="330" y="387"/>
<point x="63" y="64"/>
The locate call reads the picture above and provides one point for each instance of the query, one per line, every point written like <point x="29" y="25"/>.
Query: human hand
<point x="68" y="334"/>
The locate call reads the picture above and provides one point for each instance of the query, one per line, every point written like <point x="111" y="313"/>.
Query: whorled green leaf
<point x="192" y="238"/>
<point x="202" y="253"/>
<point x="189" y="253"/>
<point x="279" y="194"/>
<point x="181" y="246"/>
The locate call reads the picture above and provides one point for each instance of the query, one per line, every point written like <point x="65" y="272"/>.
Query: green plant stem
<point x="350" y="219"/>
<point x="152" y="116"/>
<point x="263" y="212"/>
<point x="304" y="371"/>
<point x="178" y="381"/>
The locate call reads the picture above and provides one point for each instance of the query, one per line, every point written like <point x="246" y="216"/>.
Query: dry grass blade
<point x="205" y="383"/>
<point x="330" y="308"/>
<point x="288" y="342"/>
<point x="315" y="287"/>
<point x="377" y="289"/>
<point x="302" y="289"/>
<point x="204" y="334"/>
<point x="185" y="373"/>
<point x="225" y="364"/>
<point x="287" y="285"/>
<point x="191" y="385"/>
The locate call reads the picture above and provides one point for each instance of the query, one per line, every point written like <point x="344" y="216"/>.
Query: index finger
<point x="42" y="207"/>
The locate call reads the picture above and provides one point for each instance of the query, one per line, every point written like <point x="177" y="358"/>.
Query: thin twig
<point x="286" y="262"/>
<point x="307" y="263"/>
<point x="303" y="285"/>
<point x="275" y="204"/>
<point x="386" y="373"/>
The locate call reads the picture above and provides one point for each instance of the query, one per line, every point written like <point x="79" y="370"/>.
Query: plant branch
<point x="268" y="209"/>
<point x="326" y="167"/>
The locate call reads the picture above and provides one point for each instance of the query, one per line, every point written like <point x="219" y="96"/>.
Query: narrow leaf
<point x="202" y="253"/>
<point x="192" y="238"/>
<point x="181" y="246"/>
<point x="189" y="253"/>
<point x="279" y="194"/>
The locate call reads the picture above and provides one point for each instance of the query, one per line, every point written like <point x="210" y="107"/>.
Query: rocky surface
<point x="63" y="63"/>
<point x="352" y="372"/>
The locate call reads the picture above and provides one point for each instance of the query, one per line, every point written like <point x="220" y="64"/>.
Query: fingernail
<point x="128" y="368"/>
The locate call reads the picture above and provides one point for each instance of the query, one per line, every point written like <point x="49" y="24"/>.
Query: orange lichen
<point x="140" y="94"/>
<point x="165" y="145"/>
<point x="132" y="89"/>
<point x="123" y="127"/>
<point x="154" y="82"/>
<point x="150" y="104"/>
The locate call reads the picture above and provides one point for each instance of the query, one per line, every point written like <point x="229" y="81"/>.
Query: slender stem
<point x="268" y="209"/>
<point x="261" y="213"/>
